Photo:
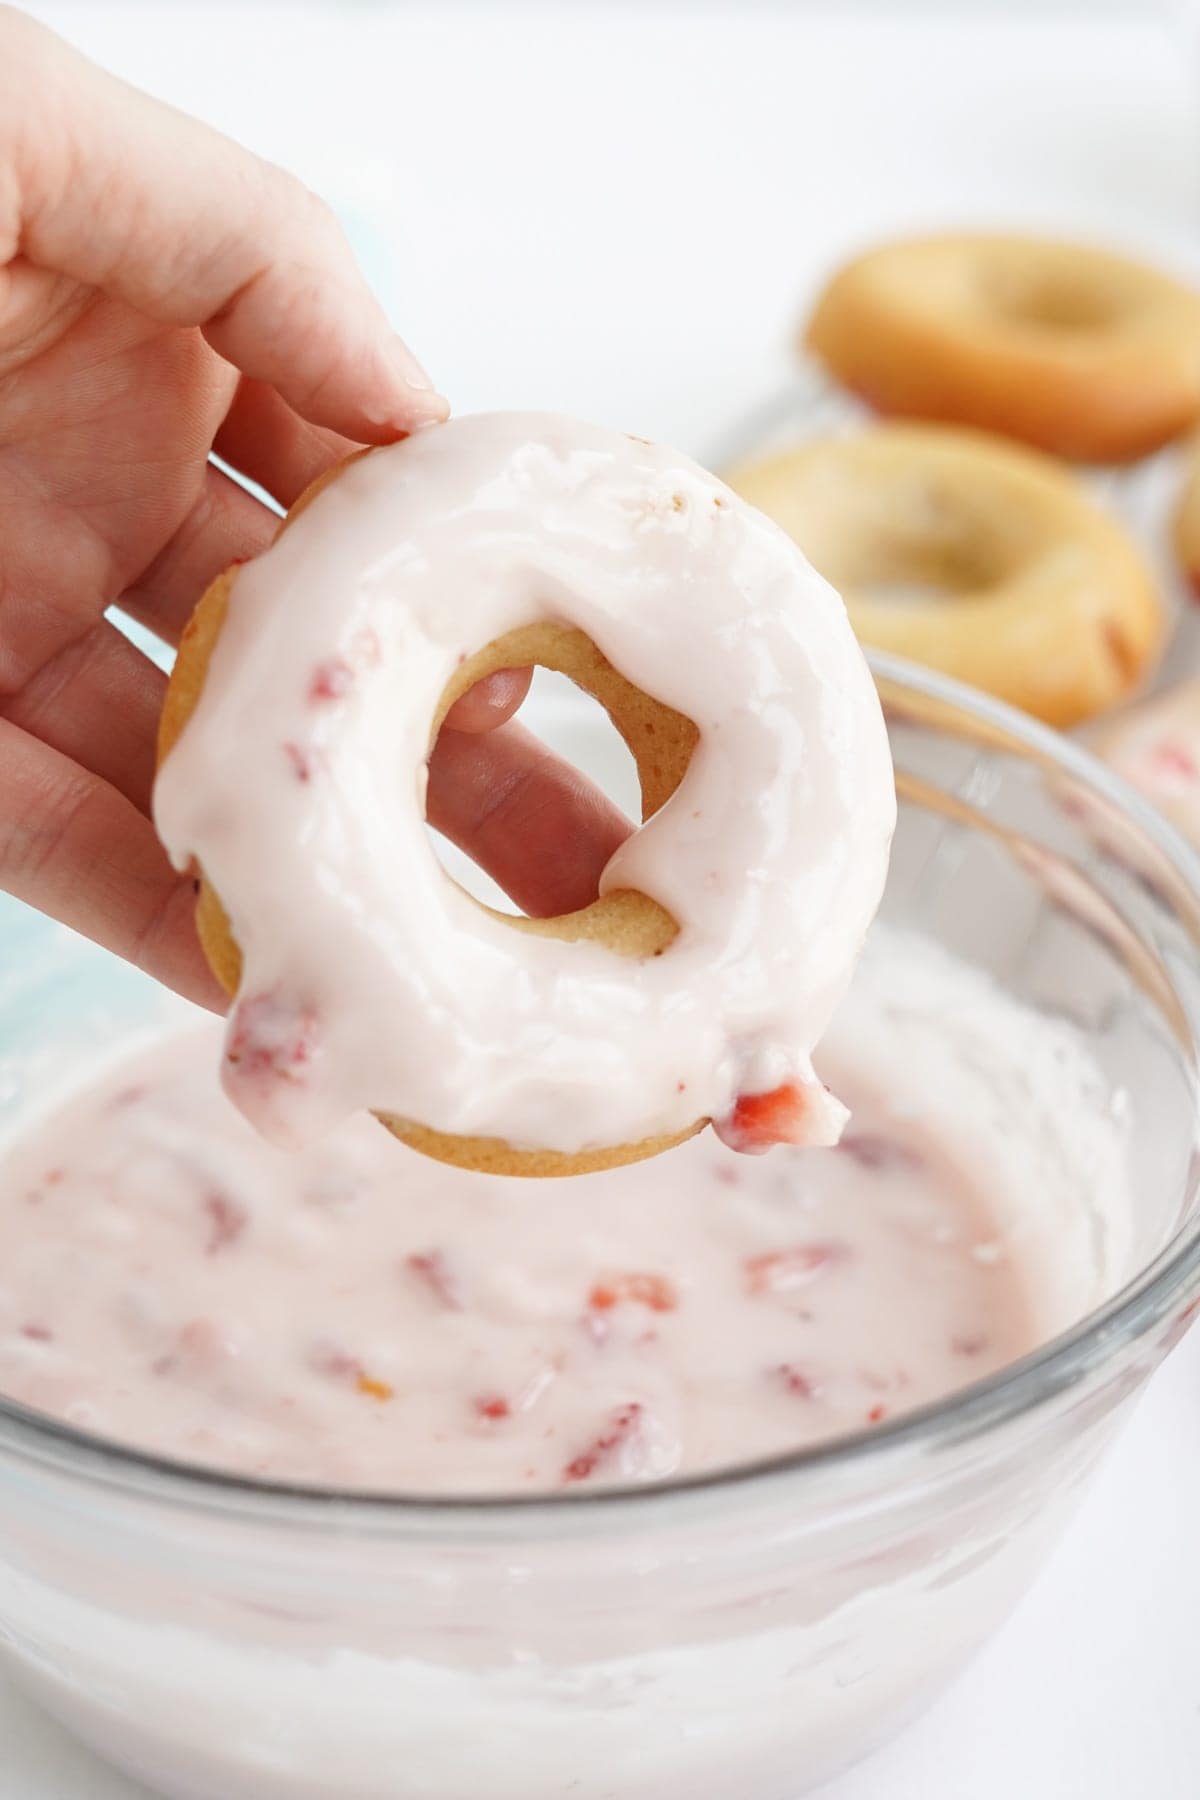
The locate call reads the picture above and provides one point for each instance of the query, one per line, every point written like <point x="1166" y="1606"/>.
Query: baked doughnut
<point x="307" y="693"/>
<point x="1079" y="351"/>
<point x="1185" y="526"/>
<point x="972" y="556"/>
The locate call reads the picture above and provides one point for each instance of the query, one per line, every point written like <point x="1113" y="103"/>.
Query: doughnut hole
<point x="1060" y="301"/>
<point x="996" y="284"/>
<point x="577" y="728"/>
<point x="972" y="556"/>
<point x="542" y="808"/>
<point x="897" y="534"/>
<point x="929" y="550"/>
<point x="661" y="742"/>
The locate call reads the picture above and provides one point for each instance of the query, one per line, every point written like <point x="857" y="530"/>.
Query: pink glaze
<point x="370" y="981"/>
<point x="357" y="1315"/>
<point x="1156" y="747"/>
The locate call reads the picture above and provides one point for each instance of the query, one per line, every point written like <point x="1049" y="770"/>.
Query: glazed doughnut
<point x="305" y="700"/>
<point x="1185" y="527"/>
<point x="1078" y="351"/>
<point x="972" y="556"/>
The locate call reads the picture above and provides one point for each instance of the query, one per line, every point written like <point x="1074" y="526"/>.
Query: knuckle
<point x="322" y="220"/>
<point x="307" y="218"/>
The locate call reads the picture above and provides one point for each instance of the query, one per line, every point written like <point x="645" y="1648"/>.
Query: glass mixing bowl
<point x="743" y="1634"/>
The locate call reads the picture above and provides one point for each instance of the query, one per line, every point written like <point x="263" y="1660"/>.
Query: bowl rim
<point x="1016" y="1390"/>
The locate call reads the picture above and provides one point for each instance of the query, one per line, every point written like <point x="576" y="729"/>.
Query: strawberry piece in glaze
<point x="271" y="1039"/>
<point x="759" y="1121"/>
<point x="301" y="760"/>
<point x="433" y="1269"/>
<point x="797" y="1382"/>
<point x="326" y="1358"/>
<point x="226" y="1222"/>
<point x="331" y="680"/>
<point x="782" y="1271"/>
<point x="641" y="1289"/>
<point x="622" y="1426"/>
<point x="872" y="1150"/>
<point x="1172" y="758"/>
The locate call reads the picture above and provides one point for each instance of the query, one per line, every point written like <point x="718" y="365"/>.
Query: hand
<point x="163" y="293"/>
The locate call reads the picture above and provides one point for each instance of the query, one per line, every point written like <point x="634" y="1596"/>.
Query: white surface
<point x="615" y="212"/>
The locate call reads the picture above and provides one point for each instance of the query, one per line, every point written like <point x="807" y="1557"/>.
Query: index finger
<point x="101" y="183"/>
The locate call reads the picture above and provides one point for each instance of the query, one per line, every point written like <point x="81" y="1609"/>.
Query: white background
<point x="617" y="211"/>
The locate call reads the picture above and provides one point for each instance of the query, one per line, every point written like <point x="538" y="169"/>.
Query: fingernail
<point x="423" y="402"/>
<point x="406" y="365"/>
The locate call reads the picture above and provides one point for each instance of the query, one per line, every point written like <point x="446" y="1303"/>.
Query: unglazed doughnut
<point x="972" y="556"/>
<point x="307" y="694"/>
<point x="1079" y="351"/>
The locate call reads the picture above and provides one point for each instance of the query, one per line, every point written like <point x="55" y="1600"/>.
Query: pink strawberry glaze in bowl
<point x="740" y="1633"/>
